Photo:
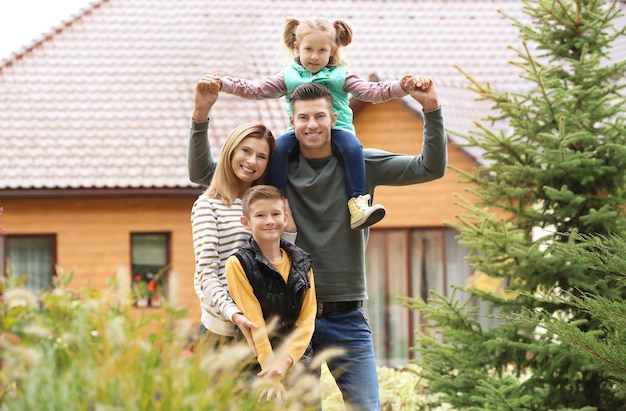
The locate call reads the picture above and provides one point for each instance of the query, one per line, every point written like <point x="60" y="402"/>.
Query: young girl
<point x="315" y="45"/>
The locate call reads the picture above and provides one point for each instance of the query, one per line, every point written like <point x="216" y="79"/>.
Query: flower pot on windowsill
<point x="142" y="302"/>
<point x="155" y="300"/>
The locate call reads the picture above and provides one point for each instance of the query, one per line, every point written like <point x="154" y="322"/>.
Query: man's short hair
<point x="310" y="91"/>
<point x="259" y="192"/>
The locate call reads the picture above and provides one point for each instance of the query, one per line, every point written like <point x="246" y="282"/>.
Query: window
<point x="150" y="260"/>
<point x="407" y="262"/>
<point x="31" y="256"/>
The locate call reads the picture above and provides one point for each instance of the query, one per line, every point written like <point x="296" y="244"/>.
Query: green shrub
<point x="88" y="350"/>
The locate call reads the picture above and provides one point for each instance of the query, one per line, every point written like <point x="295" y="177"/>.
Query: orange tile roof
<point x="104" y="99"/>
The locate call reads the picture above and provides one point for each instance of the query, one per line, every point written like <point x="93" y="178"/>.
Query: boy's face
<point x="267" y="220"/>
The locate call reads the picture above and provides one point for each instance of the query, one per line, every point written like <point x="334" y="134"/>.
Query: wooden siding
<point x="93" y="235"/>
<point x="391" y="126"/>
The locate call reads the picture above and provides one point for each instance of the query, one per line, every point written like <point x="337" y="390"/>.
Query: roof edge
<point x="47" y="35"/>
<point x="15" y="194"/>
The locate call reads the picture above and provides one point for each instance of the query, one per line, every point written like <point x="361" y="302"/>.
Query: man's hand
<point x="206" y="94"/>
<point x="246" y="326"/>
<point x="422" y="89"/>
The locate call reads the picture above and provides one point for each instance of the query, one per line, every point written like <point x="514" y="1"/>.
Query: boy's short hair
<point x="259" y="192"/>
<point x="310" y="91"/>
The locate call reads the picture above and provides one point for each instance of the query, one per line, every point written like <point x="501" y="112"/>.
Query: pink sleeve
<point x="259" y="89"/>
<point x="372" y="91"/>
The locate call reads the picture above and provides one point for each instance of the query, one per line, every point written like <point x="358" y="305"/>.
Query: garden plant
<point x="63" y="349"/>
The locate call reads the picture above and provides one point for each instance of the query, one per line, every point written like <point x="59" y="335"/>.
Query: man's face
<point x="312" y="120"/>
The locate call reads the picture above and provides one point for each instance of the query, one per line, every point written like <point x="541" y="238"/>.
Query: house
<point x="95" y="116"/>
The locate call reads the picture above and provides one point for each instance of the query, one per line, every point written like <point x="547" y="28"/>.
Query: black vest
<point x="277" y="299"/>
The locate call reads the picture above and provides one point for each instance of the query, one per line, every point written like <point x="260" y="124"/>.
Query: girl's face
<point x="249" y="160"/>
<point x="314" y="51"/>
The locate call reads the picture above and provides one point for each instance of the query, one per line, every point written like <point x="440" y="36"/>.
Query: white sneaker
<point x="361" y="214"/>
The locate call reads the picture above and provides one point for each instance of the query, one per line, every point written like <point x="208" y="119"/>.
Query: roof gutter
<point x="100" y="192"/>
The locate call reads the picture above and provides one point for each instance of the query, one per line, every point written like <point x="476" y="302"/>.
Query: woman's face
<point x="249" y="159"/>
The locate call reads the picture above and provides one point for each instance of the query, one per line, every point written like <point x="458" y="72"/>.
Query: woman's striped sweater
<point x="217" y="234"/>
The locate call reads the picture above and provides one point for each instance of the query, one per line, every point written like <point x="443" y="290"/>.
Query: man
<point x="317" y="197"/>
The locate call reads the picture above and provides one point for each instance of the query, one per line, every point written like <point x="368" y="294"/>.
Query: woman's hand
<point x="206" y="93"/>
<point x="246" y="326"/>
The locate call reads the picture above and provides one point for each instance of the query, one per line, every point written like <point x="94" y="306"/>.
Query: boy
<point x="271" y="280"/>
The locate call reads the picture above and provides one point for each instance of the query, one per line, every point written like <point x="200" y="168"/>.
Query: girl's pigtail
<point x="344" y="32"/>
<point x="289" y="34"/>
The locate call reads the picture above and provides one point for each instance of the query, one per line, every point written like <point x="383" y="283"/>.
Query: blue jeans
<point x="355" y="371"/>
<point x="345" y="145"/>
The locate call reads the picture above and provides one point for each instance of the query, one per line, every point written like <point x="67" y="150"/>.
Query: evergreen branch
<point x="490" y="389"/>
<point x="564" y="8"/>
<point x="590" y="349"/>
<point x="613" y="12"/>
<point x="538" y="79"/>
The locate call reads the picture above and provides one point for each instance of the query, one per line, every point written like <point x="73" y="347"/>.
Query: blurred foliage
<point x="90" y="350"/>
<point x="69" y="350"/>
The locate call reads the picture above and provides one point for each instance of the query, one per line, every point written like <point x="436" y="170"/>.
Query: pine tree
<point x="558" y="169"/>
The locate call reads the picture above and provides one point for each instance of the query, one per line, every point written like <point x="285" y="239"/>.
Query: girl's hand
<point x="407" y="82"/>
<point x="410" y="82"/>
<point x="422" y="89"/>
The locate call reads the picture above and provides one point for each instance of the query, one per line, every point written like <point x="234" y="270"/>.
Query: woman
<point x="216" y="217"/>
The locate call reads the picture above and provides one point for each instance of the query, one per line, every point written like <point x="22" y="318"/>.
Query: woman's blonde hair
<point x="339" y="33"/>
<point x="225" y="184"/>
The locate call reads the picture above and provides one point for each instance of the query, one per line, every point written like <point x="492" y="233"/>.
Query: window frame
<point x="6" y="239"/>
<point x="163" y="279"/>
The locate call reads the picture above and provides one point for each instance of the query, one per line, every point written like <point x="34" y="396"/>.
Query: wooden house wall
<point x="93" y="235"/>
<point x="391" y="126"/>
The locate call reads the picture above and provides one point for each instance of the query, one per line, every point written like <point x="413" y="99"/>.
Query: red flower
<point x="151" y="286"/>
<point x="137" y="277"/>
